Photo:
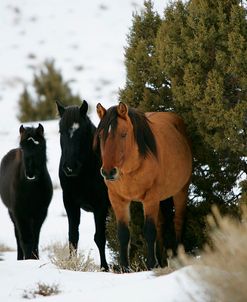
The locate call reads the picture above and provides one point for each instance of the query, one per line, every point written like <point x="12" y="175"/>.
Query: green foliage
<point x="194" y="61"/>
<point x="48" y="86"/>
<point x="146" y="86"/>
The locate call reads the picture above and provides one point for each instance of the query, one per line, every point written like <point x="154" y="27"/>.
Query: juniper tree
<point x="49" y="86"/>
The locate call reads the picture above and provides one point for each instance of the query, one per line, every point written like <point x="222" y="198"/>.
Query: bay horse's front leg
<point x="151" y="211"/>
<point x="121" y="210"/>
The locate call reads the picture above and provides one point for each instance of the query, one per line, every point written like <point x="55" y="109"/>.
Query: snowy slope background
<point x="86" y="39"/>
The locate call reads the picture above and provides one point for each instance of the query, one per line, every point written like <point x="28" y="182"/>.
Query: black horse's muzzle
<point x="70" y="171"/>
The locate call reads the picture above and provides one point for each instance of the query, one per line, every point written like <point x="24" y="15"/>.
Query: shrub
<point x="221" y="269"/>
<point x="59" y="256"/>
<point x="42" y="289"/>
<point x="48" y="86"/>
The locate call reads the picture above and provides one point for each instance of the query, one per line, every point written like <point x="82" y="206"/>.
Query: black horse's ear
<point x="21" y="129"/>
<point x="84" y="108"/>
<point x="60" y="108"/>
<point x="40" y="130"/>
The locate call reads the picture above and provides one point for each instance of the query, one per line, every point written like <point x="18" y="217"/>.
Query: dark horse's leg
<point x="37" y="224"/>
<point x="166" y="228"/>
<point x="151" y="211"/>
<point x="74" y="214"/>
<point x="150" y="236"/>
<point x="121" y="210"/>
<point x="25" y="235"/>
<point x="123" y="237"/>
<point x="20" y="255"/>
<point x="99" y="237"/>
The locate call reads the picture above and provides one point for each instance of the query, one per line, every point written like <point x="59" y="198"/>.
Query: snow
<point x="86" y="39"/>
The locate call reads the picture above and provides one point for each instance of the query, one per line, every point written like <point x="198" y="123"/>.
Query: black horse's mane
<point x="143" y="134"/>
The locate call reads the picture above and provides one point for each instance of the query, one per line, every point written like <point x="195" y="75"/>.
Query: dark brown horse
<point x="145" y="157"/>
<point x="26" y="189"/>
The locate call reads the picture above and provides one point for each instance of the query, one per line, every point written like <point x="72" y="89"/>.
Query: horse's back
<point x="167" y="119"/>
<point x="8" y="171"/>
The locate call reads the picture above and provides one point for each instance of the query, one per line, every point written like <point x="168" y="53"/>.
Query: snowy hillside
<point x="86" y="39"/>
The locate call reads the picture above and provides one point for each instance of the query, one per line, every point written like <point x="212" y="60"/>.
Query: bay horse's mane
<point x="143" y="134"/>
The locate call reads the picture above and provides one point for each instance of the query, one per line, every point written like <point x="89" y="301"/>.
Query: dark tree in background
<point x="48" y="86"/>
<point x="193" y="61"/>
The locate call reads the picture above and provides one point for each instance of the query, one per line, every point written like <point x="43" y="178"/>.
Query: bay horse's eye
<point x="123" y="134"/>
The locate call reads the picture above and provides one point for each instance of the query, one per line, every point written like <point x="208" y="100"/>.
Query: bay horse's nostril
<point x="113" y="173"/>
<point x="109" y="175"/>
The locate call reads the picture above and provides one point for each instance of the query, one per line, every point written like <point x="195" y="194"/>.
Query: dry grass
<point x="4" y="248"/>
<point x="222" y="267"/>
<point x="59" y="256"/>
<point x="41" y="289"/>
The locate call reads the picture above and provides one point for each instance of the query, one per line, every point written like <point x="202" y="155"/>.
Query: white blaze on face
<point x="33" y="140"/>
<point x="73" y="128"/>
<point x="109" y="129"/>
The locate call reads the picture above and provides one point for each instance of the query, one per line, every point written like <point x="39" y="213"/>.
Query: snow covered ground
<point x="86" y="39"/>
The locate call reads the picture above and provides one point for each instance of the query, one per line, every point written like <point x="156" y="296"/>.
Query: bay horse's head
<point x="33" y="146"/>
<point x="124" y="136"/>
<point x="76" y="135"/>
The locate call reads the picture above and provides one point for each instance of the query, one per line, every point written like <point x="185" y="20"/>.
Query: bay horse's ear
<point x="21" y="129"/>
<point x="40" y="130"/>
<point x="84" y="108"/>
<point x="100" y="110"/>
<point x="122" y="110"/>
<point x="60" y="108"/>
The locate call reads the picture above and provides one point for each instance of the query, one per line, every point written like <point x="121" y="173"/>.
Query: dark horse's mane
<point x="143" y="134"/>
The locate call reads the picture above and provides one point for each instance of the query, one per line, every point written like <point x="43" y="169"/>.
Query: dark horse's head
<point x="76" y="136"/>
<point x="33" y="146"/>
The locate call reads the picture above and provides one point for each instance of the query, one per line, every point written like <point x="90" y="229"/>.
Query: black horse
<point x="26" y="189"/>
<point x="79" y="173"/>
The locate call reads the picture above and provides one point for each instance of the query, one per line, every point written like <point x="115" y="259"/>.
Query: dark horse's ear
<point x="60" y="108"/>
<point x="84" y="108"/>
<point x="21" y="129"/>
<point x="40" y="130"/>
<point x="100" y="110"/>
<point x="122" y="110"/>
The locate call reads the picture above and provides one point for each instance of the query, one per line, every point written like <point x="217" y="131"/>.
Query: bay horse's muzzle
<point x="111" y="175"/>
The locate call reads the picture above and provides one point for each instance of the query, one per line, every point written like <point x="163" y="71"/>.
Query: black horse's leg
<point x="150" y="233"/>
<point x="25" y="235"/>
<point x="74" y="214"/>
<point x="99" y="237"/>
<point x="37" y="223"/>
<point x="20" y="255"/>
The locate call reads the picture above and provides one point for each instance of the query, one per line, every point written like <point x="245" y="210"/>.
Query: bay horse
<point x="79" y="173"/>
<point x="146" y="158"/>
<point x="26" y="189"/>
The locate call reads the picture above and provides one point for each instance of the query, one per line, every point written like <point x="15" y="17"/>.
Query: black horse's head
<point x="76" y="136"/>
<point x="33" y="146"/>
